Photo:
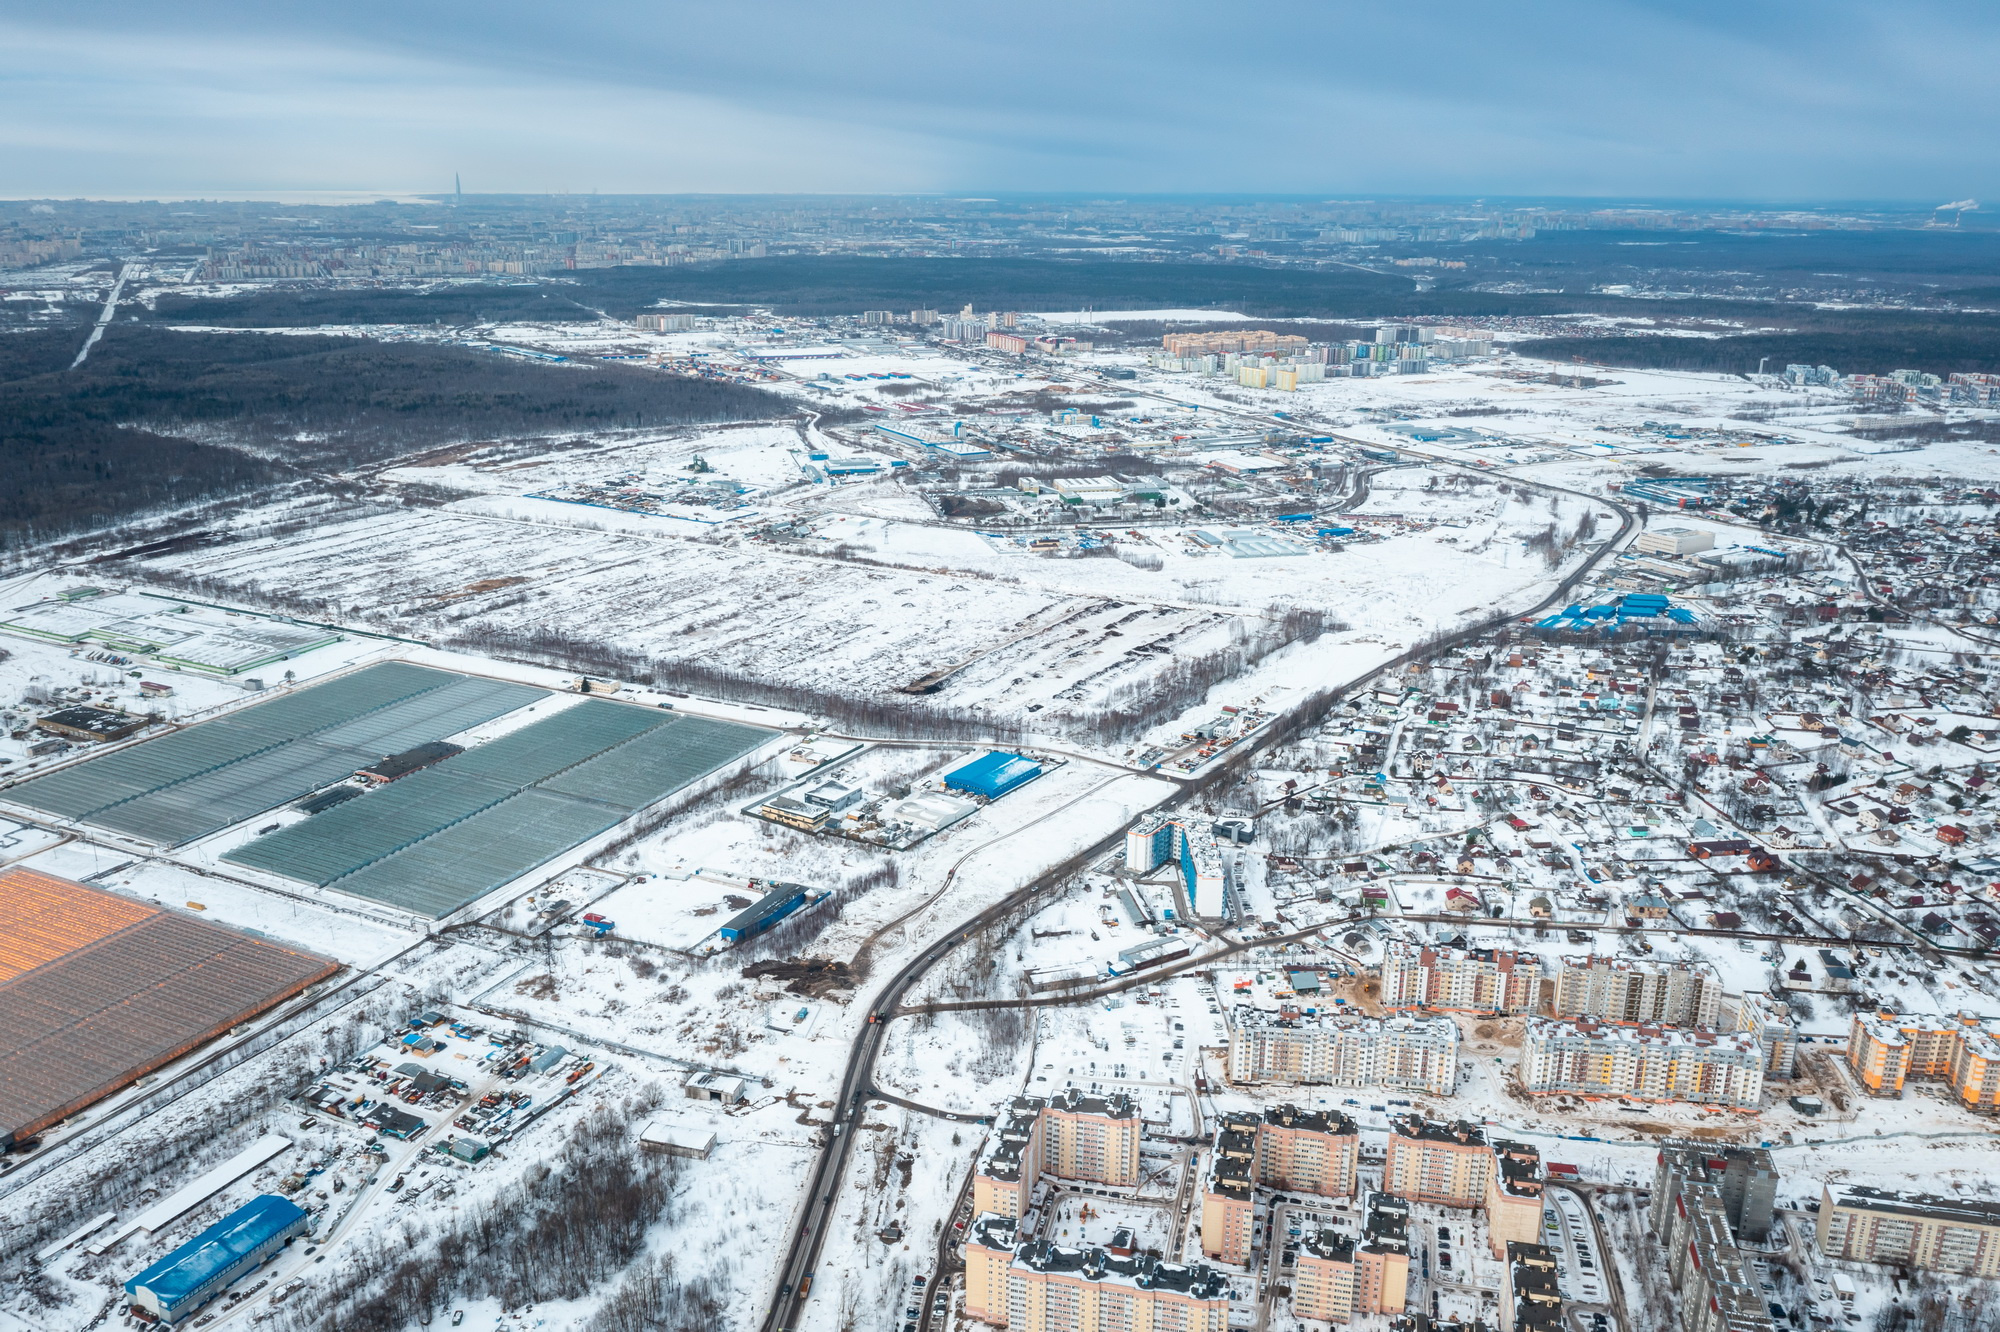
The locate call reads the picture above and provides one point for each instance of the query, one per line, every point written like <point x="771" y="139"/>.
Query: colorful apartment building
<point x="1514" y="1197"/>
<point x="1885" y="1050"/>
<point x="1298" y="1151"/>
<point x="1338" y="1276"/>
<point x="1094" y="1139"/>
<point x="1039" y="1286"/>
<point x="1587" y="1058"/>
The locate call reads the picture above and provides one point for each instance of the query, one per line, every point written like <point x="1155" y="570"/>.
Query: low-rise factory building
<point x="186" y="1280"/>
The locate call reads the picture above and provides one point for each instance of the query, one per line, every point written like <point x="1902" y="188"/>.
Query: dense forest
<point x="1941" y="347"/>
<point x="157" y="417"/>
<point x="817" y="285"/>
<point x="288" y="307"/>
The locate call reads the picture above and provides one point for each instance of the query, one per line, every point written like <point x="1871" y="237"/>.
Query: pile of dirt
<point x="814" y="977"/>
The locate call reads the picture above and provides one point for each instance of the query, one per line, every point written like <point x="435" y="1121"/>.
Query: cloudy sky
<point x="1742" y="99"/>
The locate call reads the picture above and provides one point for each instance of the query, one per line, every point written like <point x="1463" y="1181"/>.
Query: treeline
<point x="160" y="418"/>
<point x="1944" y="346"/>
<point x="849" y="284"/>
<point x="1136" y="707"/>
<point x="293" y="308"/>
<point x="909" y="719"/>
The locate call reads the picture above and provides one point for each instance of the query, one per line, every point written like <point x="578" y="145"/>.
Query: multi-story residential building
<point x="1745" y="1178"/>
<point x="1338" y="1277"/>
<point x="1094" y="1138"/>
<point x="1628" y="990"/>
<point x="1308" y="1151"/>
<point x="1069" y="1135"/>
<point x="1920" y="1230"/>
<point x="989" y="1252"/>
<point x="1205" y="886"/>
<point x="1043" y="1287"/>
<point x="1249" y="340"/>
<point x="1300" y="1151"/>
<point x="1586" y="1058"/>
<point x="1428" y="1162"/>
<point x="1886" y="1050"/>
<point x="1514" y="1197"/>
<point x="1718" y="1284"/>
<point x="1459" y="980"/>
<point x="1229" y="1195"/>
<point x="1529" y="1298"/>
<point x="1770" y="1021"/>
<point x="1323" y="1282"/>
<point x="1382" y="1260"/>
<point x="1343" y="1050"/>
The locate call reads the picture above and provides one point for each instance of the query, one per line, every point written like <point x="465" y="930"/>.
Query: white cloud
<point x="133" y="114"/>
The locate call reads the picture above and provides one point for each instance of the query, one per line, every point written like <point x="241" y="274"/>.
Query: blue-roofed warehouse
<point x="992" y="775"/>
<point x="182" y="1283"/>
<point x="774" y="906"/>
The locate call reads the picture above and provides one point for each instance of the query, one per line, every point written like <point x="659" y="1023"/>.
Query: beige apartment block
<point x="1459" y="980"/>
<point x="1094" y="1139"/>
<point x="1636" y="991"/>
<point x="1308" y="1151"/>
<point x="1055" y="1289"/>
<point x="1405" y="1052"/>
<point x="1514" y="1197"/>
<point x="1582" y="1057"/>
<point x="1918" y="1230"/>
<point x="1449" y="1164"/>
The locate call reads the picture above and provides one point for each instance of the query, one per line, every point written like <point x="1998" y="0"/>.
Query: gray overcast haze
<point x="1773" y="101"/>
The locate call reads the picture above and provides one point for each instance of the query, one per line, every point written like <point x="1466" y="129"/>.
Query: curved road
<point x="816" y="1217"/>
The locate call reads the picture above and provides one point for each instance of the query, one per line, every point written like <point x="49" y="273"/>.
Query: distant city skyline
<point x="1778" y="101"/>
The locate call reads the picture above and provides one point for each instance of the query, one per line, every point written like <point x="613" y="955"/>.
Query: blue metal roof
<point x="194" y="1264"/>
<point x="992" y="774"/>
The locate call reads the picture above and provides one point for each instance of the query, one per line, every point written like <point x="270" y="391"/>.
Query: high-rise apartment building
<point x="1745" y="1179"/>
<point x="1229" y="1195"/>
<point x="1205" y="886"/>
<point x="1529" y="1298"/>
<point x="1586" y="1058"/>
<point x="1916" y="1230"/>
<point x="1338" y="1277"/>
<point x="1770" y="1021"/>
<point x="1069" y="1135"/>
<point x="1718" y="1282"/>
<point x="1298" y="1151"/>
<point x="1459" y="980"/>
<point x="1428" y="1162"/>
<point x="1308" y="1151"/>
<point x="1343" y="1050"/>
<point x="1514" y="1197"/>
<point x="1636" y="992"/>
<point x="1248" y="340"/>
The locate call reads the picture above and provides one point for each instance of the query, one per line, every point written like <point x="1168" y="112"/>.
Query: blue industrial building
<point x="772" y="907"/>
<point x="992" y="775"/>
<point x="182" y="1283"/>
